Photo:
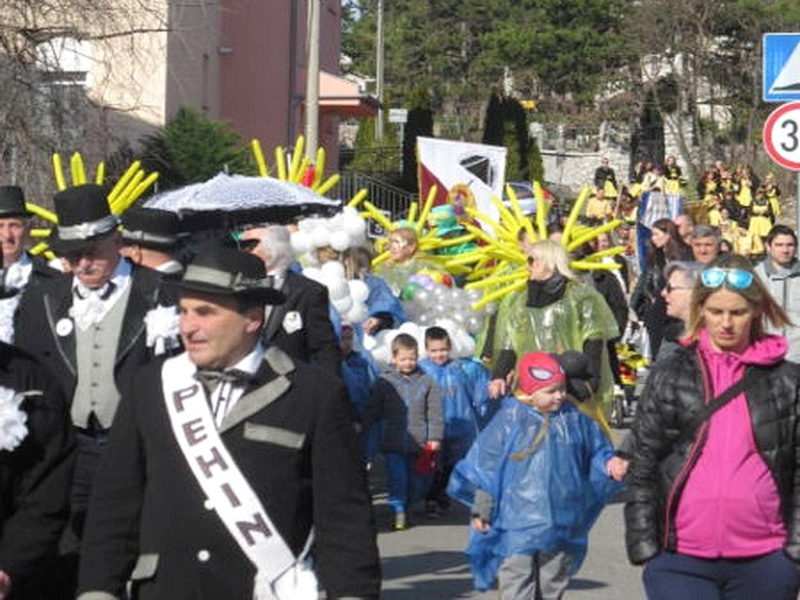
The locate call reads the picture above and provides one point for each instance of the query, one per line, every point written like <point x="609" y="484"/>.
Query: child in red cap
<point x="536" y="479"/>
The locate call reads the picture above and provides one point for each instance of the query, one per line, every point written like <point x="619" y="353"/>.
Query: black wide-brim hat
<point x="84" y="217"/>
<point x="12" y="202"/>
<point x="224" y="271"/>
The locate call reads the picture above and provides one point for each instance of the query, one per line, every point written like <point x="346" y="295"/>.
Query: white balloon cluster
<point x="436" y="301"/>
<point x="349" y="297"/>
<point x="340" y="232"/>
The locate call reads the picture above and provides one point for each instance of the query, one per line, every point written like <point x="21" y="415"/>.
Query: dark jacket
<point x="292" y="438"/>
<point x="309" y="335"/>
<point x="45" y="304"/>
<point x="668" y="438"/>
<point x="410" y="408"/>
<point x="35" y="476"/>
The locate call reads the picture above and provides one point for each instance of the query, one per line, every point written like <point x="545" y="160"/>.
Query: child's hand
<point x="497" y="388"/>
<point x="480" y="525"/>
<point x="617" y="468"/>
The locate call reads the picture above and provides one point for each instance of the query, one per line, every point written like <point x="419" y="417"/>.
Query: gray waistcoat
<point x="96" y="351"/>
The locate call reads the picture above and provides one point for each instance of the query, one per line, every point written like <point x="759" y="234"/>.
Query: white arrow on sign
<point x="782" y="136"/>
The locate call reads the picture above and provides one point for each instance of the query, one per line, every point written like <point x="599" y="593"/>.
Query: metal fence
<point x="388" y="198"/>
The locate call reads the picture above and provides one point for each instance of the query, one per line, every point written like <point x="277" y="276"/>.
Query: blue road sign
<point x="781" y="80"/>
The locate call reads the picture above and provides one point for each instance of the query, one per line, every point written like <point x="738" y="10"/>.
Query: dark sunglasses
<point x="738" y="279"/>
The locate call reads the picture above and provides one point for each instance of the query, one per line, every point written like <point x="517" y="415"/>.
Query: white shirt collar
<point x="120" y="277"/>
<point x="251" y="362"/>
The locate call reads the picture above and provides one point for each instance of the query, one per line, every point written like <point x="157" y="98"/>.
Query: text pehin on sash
<point x="279" y="574"/>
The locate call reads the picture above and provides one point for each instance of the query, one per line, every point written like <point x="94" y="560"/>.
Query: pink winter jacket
<point x="730" y="506"/>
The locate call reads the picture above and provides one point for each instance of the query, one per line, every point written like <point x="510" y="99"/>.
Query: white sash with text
<point x="279" y="574"/>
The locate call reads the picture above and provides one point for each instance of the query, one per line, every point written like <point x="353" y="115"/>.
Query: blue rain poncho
<point x="461" y="403"/>
<point x="479" y="377"/>
<point x="544" y="499"/>
<point x="382" y="300"/>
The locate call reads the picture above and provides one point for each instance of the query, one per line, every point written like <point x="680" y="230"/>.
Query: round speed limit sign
<point x="782" y="136"/>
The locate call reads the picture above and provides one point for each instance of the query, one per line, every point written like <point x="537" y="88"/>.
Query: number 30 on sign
<point x="782" y="136"/>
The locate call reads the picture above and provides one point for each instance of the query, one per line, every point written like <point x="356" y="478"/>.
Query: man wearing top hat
<point x="150" y="237"/>
<point x="92" y="328"/>
<point x="19" y="268"/>
<point x="224" y="459"/>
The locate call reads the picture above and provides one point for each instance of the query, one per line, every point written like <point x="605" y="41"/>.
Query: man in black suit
<point x="35" y="471"/>
<point x="20" y="267"/>
<point x="223" y="460"/>
<point x="301" y="326"/>
<point x="92" y="328"/>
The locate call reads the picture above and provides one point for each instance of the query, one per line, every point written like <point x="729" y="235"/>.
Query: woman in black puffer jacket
<point x="714" y="505"/>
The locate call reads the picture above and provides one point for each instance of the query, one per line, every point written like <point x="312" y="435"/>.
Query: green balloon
<point x="408" y="291"/>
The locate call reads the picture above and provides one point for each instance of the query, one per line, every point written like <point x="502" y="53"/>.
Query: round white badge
<point x="64" y="327"/>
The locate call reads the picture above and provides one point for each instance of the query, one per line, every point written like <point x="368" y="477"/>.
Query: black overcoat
<point x="34" y="476"/>
<point x="293" y="439"/>
<point x="313" y="340"/>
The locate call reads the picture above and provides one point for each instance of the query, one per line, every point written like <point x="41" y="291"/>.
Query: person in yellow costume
<point x="773" y="193"/>
<point x="605" y="180"/>
<point x="673" y="176"/>
<point x="744" y="185"/>
<point x="715" y="213"/>
<point x="761" y="218"/>
<point x="554" y="313"/>
<point x="599" y="209"/>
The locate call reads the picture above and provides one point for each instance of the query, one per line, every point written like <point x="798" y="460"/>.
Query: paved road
<point x="426" y="562"/>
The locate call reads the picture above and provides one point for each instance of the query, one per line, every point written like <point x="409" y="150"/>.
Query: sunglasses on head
<point x="738" y="279"/>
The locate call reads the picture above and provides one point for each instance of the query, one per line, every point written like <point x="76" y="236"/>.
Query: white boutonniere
<point x="162" y="329"/>
<point x="13" y="428"/>
<point x="292" y="322"/>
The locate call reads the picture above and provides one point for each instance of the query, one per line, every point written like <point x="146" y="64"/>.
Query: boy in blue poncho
<point x="536" y="479"/>
<point x="464" y="404"/>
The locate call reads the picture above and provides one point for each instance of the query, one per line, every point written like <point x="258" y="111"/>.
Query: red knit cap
<point x="538" y="370"/>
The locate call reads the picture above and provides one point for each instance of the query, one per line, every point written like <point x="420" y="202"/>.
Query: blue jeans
<point x="405" y="485"/>
<point x="773" y="576"/>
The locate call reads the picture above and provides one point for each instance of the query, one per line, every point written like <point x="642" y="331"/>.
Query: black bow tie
<point x="211" y="378"/>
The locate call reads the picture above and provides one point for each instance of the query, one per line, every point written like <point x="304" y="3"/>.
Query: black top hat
<point x="219" y="269"/>
<point x="151" y="228"/>
<point x="12" y="202"/>
<point x="83" y="218"/>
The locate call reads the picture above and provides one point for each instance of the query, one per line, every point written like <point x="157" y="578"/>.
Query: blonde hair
<point x="756" y="294"/>
<point x="554" y="256"/>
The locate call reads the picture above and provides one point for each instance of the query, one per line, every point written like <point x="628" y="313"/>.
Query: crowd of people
<point x="189" y="415"/>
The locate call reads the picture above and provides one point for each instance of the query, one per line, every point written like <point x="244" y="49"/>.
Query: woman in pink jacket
<point x="714" y="494"/>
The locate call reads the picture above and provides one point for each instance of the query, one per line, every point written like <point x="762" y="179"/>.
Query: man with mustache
<point x="20" y="268"/>
<point x="93" y="328"/>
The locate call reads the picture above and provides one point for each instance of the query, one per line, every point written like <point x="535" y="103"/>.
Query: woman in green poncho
<point x="554" y="313"/>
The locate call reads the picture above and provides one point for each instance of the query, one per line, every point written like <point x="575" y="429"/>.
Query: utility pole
<point x="379" y="60"/>
<point x="312" y="80"/>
